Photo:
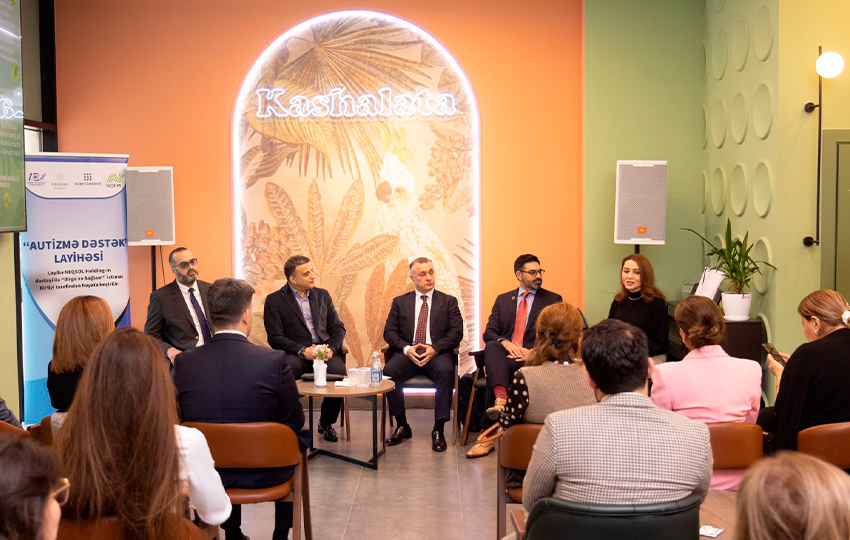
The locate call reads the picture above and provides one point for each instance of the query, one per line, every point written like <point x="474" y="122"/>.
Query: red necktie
<point x="521" y="315"/>
<point x="422" y="322"/>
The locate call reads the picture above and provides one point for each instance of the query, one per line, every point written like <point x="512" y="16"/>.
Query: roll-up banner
<point x="75" y="245"/>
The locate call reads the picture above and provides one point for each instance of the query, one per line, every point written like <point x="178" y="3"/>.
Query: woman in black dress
<point x="83" y="323"/>
<point x="812" y="387"/>
<point x="642" y="304"/>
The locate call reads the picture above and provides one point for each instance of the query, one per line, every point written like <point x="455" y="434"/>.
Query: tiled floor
<point x="415" y="493"/>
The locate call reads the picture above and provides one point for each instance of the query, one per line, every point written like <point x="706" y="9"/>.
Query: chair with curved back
<point x="513" y="451"/>
<point x="735" y="445"/>
<point x="555" y="519"/>
<point x="479" y="384"/>
<point x="262" y="445"/>
<point x="9" y="429"/>
<point x="110" y="529"/>
<point x="829" y="442"/>
<point x="42" y="432"/>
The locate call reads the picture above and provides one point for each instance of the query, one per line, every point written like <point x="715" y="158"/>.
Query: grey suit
<point x="623" y="450"/>
<point x="169" y="320"/>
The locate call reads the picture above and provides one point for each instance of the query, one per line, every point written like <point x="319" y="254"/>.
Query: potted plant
<point x="734" y="260"/>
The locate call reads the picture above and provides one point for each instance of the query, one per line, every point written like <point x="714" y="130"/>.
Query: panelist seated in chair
<point x="298" y="318"/>
<point x="230" y="380"/>
<point x="624" y="450"/>
<point x="422" y="330"/>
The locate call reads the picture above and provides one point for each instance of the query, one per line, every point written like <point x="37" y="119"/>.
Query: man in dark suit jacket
<point x="423" y="328"/>
<point x="177" y="318"/>
<point x="230" y="380"/>
<point x="299" y="317"/>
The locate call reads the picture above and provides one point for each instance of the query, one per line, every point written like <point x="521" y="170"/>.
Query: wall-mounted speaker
<point x="150" y="206"/>
<point x="640" y="212"/>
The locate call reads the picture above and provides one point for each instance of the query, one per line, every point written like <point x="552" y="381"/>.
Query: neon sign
<point x="339" y="104"/>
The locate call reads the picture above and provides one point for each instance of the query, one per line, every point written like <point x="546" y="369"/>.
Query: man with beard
<point x="177" y="312"/>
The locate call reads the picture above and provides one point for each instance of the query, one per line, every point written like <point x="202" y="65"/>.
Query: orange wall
<point x="158" y="80"/>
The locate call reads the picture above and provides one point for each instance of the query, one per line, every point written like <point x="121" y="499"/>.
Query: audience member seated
<point x="625" y="449"/>
<point x="8" y="416"/>
<point x="230" y="380"/>
<point x="793" y="497"/>
<point x="814" y="383"/>
<point x="83" y="323"/>
<point x="642" y="304"/>
<point x="708" y="385"/>
<point x="123" y="451"/>
<point x="31" y="490"/>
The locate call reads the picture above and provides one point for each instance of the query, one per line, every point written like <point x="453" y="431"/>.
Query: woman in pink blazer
<point x="708" y="385"/>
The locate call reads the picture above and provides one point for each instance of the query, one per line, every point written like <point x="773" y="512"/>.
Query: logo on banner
<point x="35" y="179"/>
<point x="115" y="181"/>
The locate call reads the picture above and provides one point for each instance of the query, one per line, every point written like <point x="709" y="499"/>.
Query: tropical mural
<point x="356" y="141"/>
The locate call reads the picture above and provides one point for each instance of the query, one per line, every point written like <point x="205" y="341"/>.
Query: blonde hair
<point x="827" y="305"/>
<point x="793" y="496"/>
<point x="558" y="332"/>
<point x="83" y="323"/>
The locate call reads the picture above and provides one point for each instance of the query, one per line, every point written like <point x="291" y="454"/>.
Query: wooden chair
<point x="9" y="429"/>
<point x="42" y="432"/>
<point x="262" y="445"/>
<point x="735" y="445"/>
<point x="421" y="381"/>
<point x="830" y="442"/>
<point x="513" y="451"/>
<point x="479" y="384"/>
<point x="109" y="529"/>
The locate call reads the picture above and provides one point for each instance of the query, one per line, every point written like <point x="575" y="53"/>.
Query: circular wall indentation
<point x="704" y="61"/>
<point x="763" y="106"/>
<point x="762" y="188"/>
<point x="705" y="192"/>
<point x="762" y="252"/>
<point x="740" y="117"/>
<point x="718" y="4"/>
<point x="739" y="189"/>
<point x="763" y="317"/>
<point x="704" y="126"/>
<point x="719" y="54"/>
<point x="740" y="43"/>
<point x="719" y="241"/>
<point x="763" y="32"/>
<point x="718" y="190"/>
<point x="718" y="122"/>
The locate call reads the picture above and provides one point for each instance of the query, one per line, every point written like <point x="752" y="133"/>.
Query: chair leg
<point x="454" y="408"/>
<point x="501" y="490"/>
<point x="465" y="435"/>
<point x="305" y="496"/>
<point x="296" y="503"/>
<point x="346" y="419"/>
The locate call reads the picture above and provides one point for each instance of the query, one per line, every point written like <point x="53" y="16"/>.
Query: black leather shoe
<point x="400" y="433"/>
<point x="438" y="441"/>
<point x="239" y="536"/>
<point x="329" y="432"/>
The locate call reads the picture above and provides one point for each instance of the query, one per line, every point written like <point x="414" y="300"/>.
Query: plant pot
<point x="736" y="307"/>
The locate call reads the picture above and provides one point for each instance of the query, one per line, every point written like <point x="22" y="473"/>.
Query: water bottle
<point x="377" y="370"/>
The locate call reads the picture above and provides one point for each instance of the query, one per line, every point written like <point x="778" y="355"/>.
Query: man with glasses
<point x="510" y="335"/>
<point x="177" y="312"/>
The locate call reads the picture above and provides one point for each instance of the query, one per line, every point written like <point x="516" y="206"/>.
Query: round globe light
<point x="829" y="65"/>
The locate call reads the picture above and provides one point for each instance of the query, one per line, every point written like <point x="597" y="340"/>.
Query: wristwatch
<point x="301" y="352"/>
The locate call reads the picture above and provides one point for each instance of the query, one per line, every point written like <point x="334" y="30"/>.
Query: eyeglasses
<point x="534" y="272"/>
<point x="186" y="265"/>
<point x="61" y="493"/>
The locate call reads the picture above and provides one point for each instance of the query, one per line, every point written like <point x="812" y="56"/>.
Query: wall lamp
<point x="828" y="65"/>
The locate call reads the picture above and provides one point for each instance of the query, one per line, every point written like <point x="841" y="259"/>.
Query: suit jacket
<point x="624" y="450"/>
<point x="444" y="316"/>
<point x="169" y="320"/>
<point x="285" y="325"/>
<point x="500" y="325"/>
<point x="230" y="380"/>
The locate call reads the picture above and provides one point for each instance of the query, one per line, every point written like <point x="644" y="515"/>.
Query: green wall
<point x="644" y="67"/>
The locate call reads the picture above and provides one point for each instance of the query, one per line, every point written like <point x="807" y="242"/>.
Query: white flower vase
<point x="320" y="373"/>
<point x="736" y="307"/>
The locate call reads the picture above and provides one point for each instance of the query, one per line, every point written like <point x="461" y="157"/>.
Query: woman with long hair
<point x="642" y="304"/>
<point x="813" y="389"/>
<point x="708" y="385"/>
<point x="123" y="450"/>
<point x="31" y="490"/>
<point x="793" y="496"/>
<point x="83" y="323"/>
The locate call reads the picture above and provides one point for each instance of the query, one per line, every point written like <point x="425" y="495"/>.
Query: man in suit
<point x="177" y="312"/>
<point x="298" y="318"/>
<point x="624" y="450"/>
<point x="423" y="328"/>
<point x="230" y="380"/>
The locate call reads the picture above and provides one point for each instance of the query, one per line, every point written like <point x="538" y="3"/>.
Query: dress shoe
<point x="328" y="431"/>
<point x="480" y="449"/>
<point x="494" y="411"/>
<point x="438" y="441"/>
<point x="400" y="433"/>
<point x="235" y="536"/>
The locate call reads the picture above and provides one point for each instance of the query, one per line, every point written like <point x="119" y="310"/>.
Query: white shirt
<point x="185" y="290"/>
<point x="206" y="493"/>
<point x="417" y="309"/>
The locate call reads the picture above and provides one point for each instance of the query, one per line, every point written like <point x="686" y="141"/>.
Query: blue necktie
<point x="205" y="328"/>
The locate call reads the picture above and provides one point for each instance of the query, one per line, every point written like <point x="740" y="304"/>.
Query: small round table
<point x="332" y="390"/>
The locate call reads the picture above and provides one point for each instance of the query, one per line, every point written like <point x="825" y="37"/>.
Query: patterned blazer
<point x="623" y="450"/>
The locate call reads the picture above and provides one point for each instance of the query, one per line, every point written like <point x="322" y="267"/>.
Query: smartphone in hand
<point x="771" y="350"/>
